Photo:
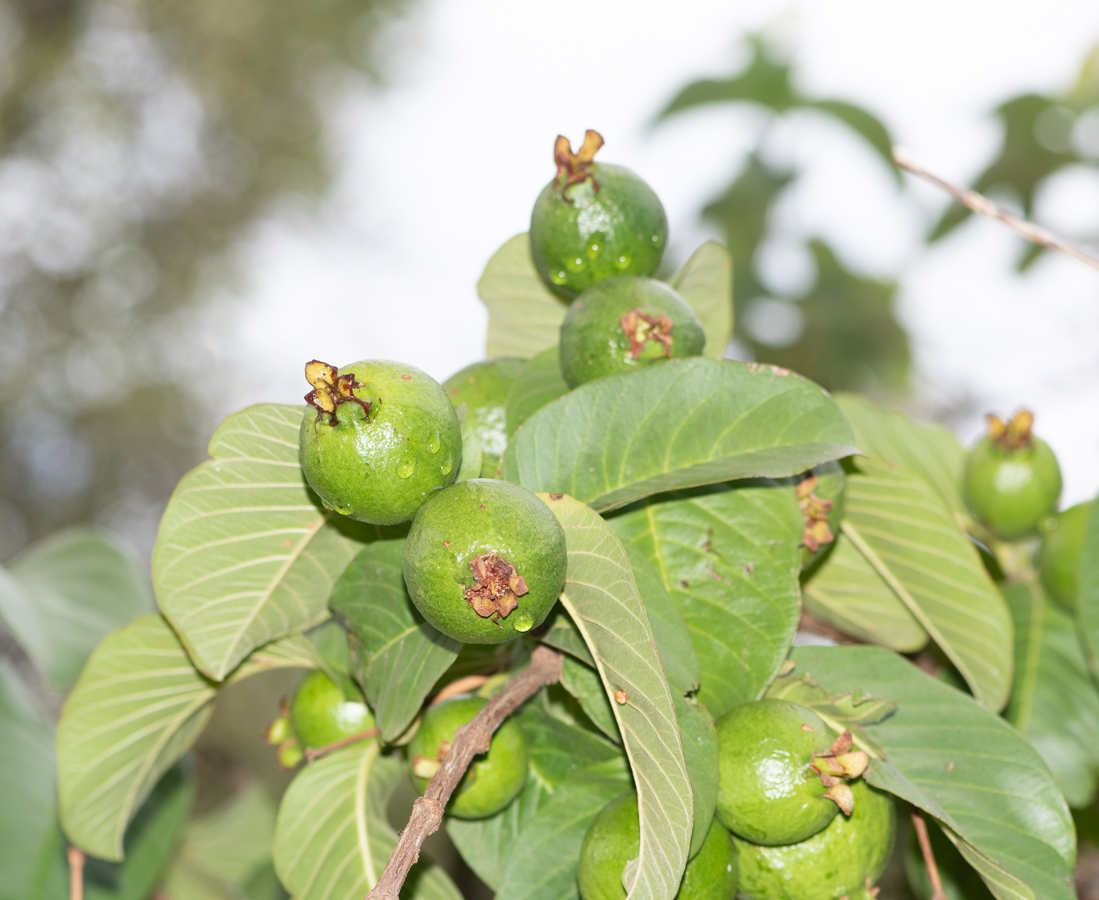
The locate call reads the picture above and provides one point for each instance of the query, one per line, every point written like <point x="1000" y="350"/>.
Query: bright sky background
<point x="441" y="166"/>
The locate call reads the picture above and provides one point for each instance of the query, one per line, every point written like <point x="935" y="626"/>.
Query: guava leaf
<point x="585" y="685"/>
<point x="332" y="836"/>
<point x="470" y="467"/>
<point x="64" y="594"/>
<point x="706" y="283"/>
<point x="524" y="315"/>
<point x="563" y="636"/>
<point x="602" y="599"/>
<point x="539" y="383"/>
<point x="404" y="655"/>
<point x="847" y="592"/>
<point x="696" y="729"/>
<point x="1054" y="703"/>
<point x="908" y="534"/>
<point x="137" y="707"/>
<point x="1087" y="601"/>
<point x="964" y="765"/>
<point x="729" y="556"/>
<point x="679" y="424"/>
<point x="245" y="552"/>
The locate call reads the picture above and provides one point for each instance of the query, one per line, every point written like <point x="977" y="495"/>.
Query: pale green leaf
<point x="1087" y="602"/>
<point x="706" y="283"/>
<point x="696" y="729"/>
<point x="470" y="467"/>
<point x="674" y="425"/>
<point x="563" y="636"/>
<point x="539" y="383"/>
<point x="585" y="685"/>
<point x="233" y="841"/>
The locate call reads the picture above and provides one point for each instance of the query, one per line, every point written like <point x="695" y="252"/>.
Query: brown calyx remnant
<point x="496" y="589"/>
<point x="814" y="512"/>
<point x="576" y="167"/>
<point x="836" y="767"/>
<point x="1015" y="433"/>
<point x="640" y="328"/>
<point x="331" y="390"/>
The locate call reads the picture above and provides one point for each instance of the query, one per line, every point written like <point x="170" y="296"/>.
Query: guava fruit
<point x="484" y="561"/>
<point x="614" y="838"/>
<point x="322" y="715"/>
<point x="1012" y="479"/>
<point x="623" y="324"/>
<point x="483" y="388"/>
<point x="492" y="781"/>
<point x="594" y="220"/>
<point x="843" y="860"/>
<point x="768" y="790"/>
<point x="1059" y="556"/>
<point x="379" y="439"/>
<point x="820" y="494"/>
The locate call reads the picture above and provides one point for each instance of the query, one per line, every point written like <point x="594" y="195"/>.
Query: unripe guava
<point x="322" y="715"/>
<point x="594" y="221"/>
<point x="623" y="324"/>
<point x="1059" y="557"/>
<point x="483" y="389"/>
<point x="485" y="561"/>
<point x="379" y="439"/>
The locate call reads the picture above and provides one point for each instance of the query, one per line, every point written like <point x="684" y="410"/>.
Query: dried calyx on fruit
<point x="330" y="389"/>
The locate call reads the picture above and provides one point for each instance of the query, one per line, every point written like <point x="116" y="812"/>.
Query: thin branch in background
<point x="982" y="205"/>
<point x="470" y="740"/>
<point x="76" y="874"/>
<point x="311" y="753"/>
<point x="928" y="856"/>
<point x="459" y="686"/>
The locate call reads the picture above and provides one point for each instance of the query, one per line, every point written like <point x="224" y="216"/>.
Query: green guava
<point x="492" y="781"/>
<point x="614" y="838"/>
<point x="322" y="715"/>
<point x="1059" y="556"/>
<point x="843" y="860"/>
<point x="379" y="438"/>
<point x="1012" y="479"/>
<point x="820" y="494"/>
<point x="483" y="388"/>
<point x="623" y="324"/>
<point x="485" y="561"/>
<point x="767" y="792"/>
<point x="594" y="221"/>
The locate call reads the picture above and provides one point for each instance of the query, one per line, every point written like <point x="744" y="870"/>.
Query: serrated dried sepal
<point x="1013" y="434"/>
<point x="496" y="587"/>
<point x="641" y="328"/>
<point x="814" y="513"/>
<point x="330" y="390"/>
<point x="842" y="795"/>
<point x="573" y="168"/>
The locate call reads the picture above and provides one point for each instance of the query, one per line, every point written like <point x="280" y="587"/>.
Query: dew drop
<point x="595" y="245"/>
<point x="656" y="238"/>
<point x="343" y="509"/>
<point x="447" y="466"/>
<point x="559" y="277"/>
<point x="523" y="622"/>
<point x="623" y="261"/>
<point x="405" y="467"/>
<point x="575" y="264"/>
<point x="434" y="443"/>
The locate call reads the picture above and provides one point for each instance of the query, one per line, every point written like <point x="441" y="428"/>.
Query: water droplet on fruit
<point x="523" y="622"/>
<point x="434" y="444"/>
<point x="575" y="264"/>
<point x="559" y="277"/>
<point x="656" y="238"/>
<point x="595" y="245"/>
<point x="343" y="509"/>
<point x="623" y="261"/>
<point x="405" y="467"/>
<point x="447" y="466"/>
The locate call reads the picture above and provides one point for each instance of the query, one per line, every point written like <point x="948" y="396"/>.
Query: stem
<point x="928" y="856"/>
<point x="985" y="207"/>
<point x="470" y="740"/>
<point x="76" y="874"/>
<point x="311" y="753"/>
<point x="459" y="686"/>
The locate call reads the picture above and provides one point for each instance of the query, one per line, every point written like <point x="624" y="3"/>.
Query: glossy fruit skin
<point x="593" y="342"/>
<point x="1059" y="556"/>
<point x="614" y="838"/>
<point x="381" y="468"/>
<point x="470" y="519"/>
<point x="766" y="791"/>
<point x="1011" y="491"/>
<point x="588" y="235"/>
<point x="832" y="864"/>
<point x="322" y="716"/>
<point x="493" y="780"/>
<point x="483" y="388"/>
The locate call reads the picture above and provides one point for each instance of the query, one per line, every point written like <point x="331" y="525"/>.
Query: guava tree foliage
<point x="691" y="493"/>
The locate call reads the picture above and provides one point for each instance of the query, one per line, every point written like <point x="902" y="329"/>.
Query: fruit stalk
<point x="470" y="740"/>
<point x="928" y="856"/>
<point x="76" y="873"/>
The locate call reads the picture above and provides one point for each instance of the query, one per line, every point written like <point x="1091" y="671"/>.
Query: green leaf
<point x="696" y="729"/>
<point x="706" y="283"/>
<point x="1087" y="603"/>
<point x="137" y="707"/>
<point x="679" y="424"/>
<point x="231" y="843"/>
<point x="602" y="599"/>
<point x="905" y="530"/>
<point x="562" y="635"/>
<point x="584" y="683"/>
<point x="964" y="765"/>
<point x="848" y="593"/>
<point x="64" y="594"/>
<point x="539" y="383"/>
<point x="245" y="552"/>
<point x="866" y="125"/>
<point x="404" y="655"/>
<point x="470" y="466"/>
<point x="730" y="558"/>
<point x="332" y="836"/>
<point x="524" y="315"/>
<point x="1054" y="703"/>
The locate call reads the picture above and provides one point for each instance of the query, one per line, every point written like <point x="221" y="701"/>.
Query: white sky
<point x="443" y="165"/>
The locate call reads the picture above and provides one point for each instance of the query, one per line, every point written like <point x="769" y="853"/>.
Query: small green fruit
<point x="622" y="324"/>
<point x="289" y="754"/>
<point x="843" y="860"/>
<point x="483" y="388"/>
<point x="494" y="779"/>
<point x="614" y="838"/>
<point x="1059" y="556"/>
<point x="767" y="792"/>
<point x="380" y="438"/>
<point x="323" y="716"/>
<point x="485" y="561"/>
<point x="1012" y="479"/>
<point x="594" y="221"/>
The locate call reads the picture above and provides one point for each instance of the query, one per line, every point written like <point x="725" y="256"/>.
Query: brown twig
<point x="470" y="740"/>
<point x="985" y="207"/>
<point x="76" y="874"/>
<point x="311" y="753"/>
<point x="459" y="686"/>
<point x="928" y="856"/>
